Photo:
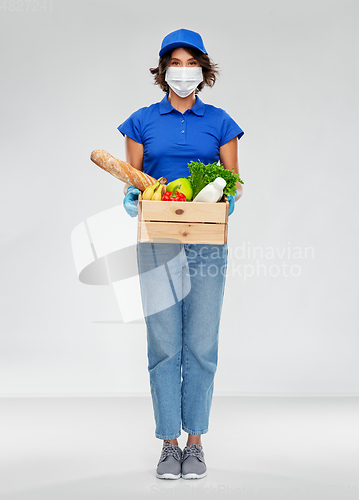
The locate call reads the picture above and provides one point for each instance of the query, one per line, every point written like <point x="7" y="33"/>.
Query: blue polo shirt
<point x="171" y="139"/>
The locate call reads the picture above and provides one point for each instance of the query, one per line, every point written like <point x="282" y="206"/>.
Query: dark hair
<point x="210" y="71"/>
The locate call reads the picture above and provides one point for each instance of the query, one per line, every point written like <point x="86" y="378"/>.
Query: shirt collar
<point x="197" y="108"/>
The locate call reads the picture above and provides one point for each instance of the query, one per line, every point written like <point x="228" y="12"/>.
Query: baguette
<point x="122" y="170"/>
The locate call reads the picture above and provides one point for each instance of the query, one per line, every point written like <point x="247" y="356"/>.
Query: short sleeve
<point x="230" y="129"/>
<point x="132" y="127"/>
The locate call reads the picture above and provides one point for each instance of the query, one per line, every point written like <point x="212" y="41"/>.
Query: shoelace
<point x="171" y="449"/>
<point x="194" y="450"/>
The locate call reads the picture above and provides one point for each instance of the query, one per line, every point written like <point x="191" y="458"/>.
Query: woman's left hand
<point x="228" y="154"/>
<point x="231" y="201"/>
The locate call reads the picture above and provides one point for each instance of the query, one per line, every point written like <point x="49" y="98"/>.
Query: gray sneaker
<point x="193" y="464"/>
<point x="169" y="464"/>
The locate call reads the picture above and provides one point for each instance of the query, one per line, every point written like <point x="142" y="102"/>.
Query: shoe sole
<point x="168" y="476"/>
<point x="194" y="476"/>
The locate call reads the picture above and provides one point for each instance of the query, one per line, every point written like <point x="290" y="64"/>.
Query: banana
<point x="159" y="192"/>
<point x="148" y="192"/>
<point x="157" y="187"/>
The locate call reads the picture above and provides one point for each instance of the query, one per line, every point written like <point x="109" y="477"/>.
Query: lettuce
<point x="202" y="174"/>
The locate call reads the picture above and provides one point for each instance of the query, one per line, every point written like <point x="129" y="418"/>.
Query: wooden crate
<point x="182" y="221"/>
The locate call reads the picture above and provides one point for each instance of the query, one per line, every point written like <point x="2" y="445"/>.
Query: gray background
<point x="289" y="76"/>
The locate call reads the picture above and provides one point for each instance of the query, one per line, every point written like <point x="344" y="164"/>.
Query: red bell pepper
<point x="174" y="195"/>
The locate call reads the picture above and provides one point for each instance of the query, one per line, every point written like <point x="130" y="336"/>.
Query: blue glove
<point x="231" y="201"/>
<point x="130" y="201"/>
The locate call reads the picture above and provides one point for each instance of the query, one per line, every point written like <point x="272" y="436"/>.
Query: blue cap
<point x="182" y="38"/>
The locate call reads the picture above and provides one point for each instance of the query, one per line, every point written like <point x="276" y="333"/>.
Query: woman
<point x="182" y="285"/>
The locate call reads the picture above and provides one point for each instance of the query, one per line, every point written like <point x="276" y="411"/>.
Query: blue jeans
<point x="182" y="287"/>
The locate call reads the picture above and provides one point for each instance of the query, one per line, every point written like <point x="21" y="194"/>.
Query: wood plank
<point x="215" y="234"/>
<point x="139" y="217"/>
<point x="189" y="211"/>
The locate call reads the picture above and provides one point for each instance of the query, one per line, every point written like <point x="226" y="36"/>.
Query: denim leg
<point x="160" y="274"/>
<point x="207" y="266"/>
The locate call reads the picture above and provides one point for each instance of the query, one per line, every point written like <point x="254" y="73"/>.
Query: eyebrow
<point x="176" y="59"/>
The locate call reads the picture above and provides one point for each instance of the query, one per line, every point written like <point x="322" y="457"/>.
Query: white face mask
<point x="184" y="80"/>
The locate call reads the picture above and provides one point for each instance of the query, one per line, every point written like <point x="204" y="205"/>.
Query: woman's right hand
<point x="134" y="156"/>
<point x="130" y="201"/>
